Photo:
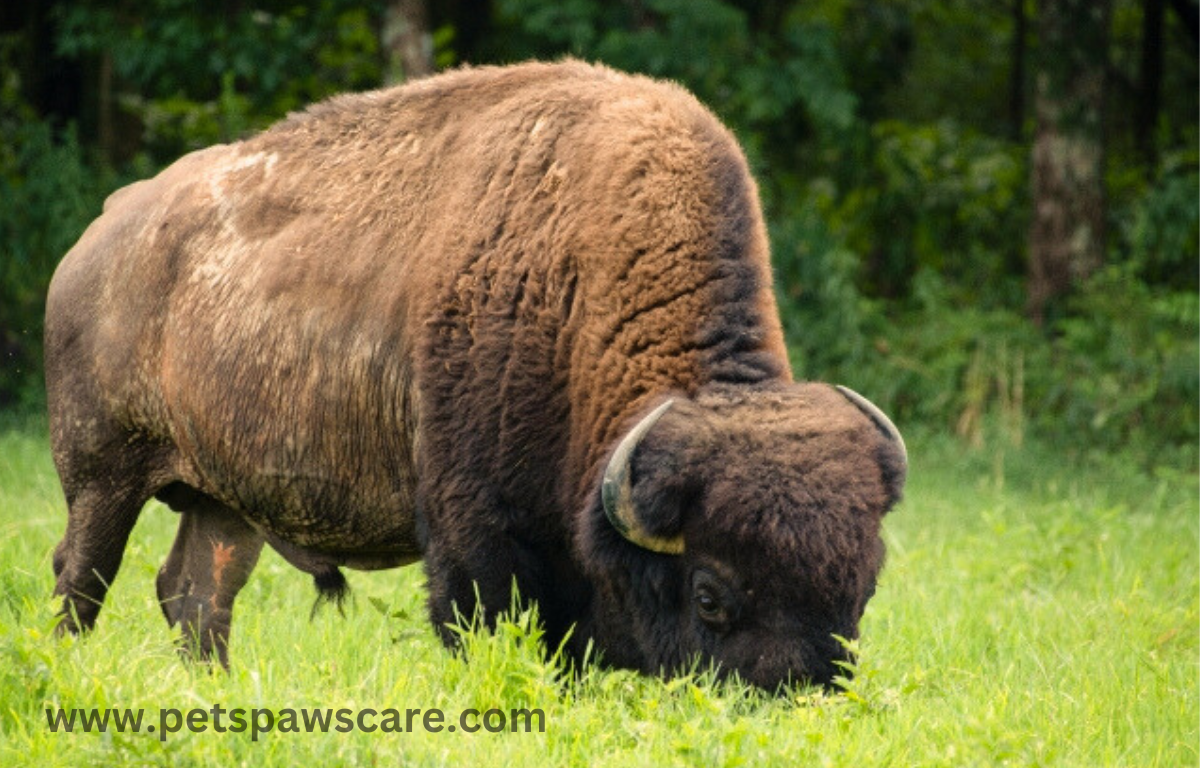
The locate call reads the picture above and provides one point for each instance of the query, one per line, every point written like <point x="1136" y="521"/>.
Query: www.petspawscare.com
<point x="258" y="721"/>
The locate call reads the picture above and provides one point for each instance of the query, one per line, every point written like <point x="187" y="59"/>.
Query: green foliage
<point x="788" y="82"/>
<point x="940" y="198"/>
<point x="1119" y="373"/>
<point x="828" y="320"/>
<point x="49" y="193"/>
<point x="1158" y="227"/>
<point x="874" y="43"/>
<point x="909" y="285"/>
<point x="879" y="133"/>
<point x="944" y="364"/>
<point x="194" y="76"/>
<point x="958" y="66"/>
<point x="1127" y="364"/>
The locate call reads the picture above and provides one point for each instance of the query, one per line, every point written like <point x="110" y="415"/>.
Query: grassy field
<point x="1032" y="612"/>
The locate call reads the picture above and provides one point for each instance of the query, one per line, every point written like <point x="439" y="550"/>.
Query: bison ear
<point x="894" y="459"/>
<point x="644" y="495"/>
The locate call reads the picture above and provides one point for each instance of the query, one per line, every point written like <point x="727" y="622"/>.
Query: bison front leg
<point x="467" y="585"/>
<point x="213" y="555"/>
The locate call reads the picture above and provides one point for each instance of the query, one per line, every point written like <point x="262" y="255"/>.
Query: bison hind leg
<point x="105" y="479"/>
<point x="100" y="517"/>
<point x="215" y="551"/>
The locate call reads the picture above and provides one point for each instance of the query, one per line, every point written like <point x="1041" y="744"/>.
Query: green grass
<point x="1032" y="612"/>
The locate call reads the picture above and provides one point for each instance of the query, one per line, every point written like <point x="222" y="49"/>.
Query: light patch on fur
<point x="555" y="175"/>
<point x="218" y="175"/>
<point x="229" y="244"/>
<point x="222" y="556"/>
<point x="411" y="143"/>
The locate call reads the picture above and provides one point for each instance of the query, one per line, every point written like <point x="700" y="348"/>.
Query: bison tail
<point x="332" y="587"/>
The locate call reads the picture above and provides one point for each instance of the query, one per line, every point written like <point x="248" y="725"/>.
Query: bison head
<point x="743" y="529"/>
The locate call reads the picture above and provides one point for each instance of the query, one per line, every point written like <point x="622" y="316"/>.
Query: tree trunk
<point x="474" y="38"/>
<point x="1066" y="238"/>
<point x="1189" y="13"/>
<point x="407" y="42"/>
<point x="1150" y="85"/>
<point x="105" y="132"/>
<point x="1016" y="93"/>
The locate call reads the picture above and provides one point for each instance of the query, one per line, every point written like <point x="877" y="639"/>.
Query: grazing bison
<point x="515" y="321"/>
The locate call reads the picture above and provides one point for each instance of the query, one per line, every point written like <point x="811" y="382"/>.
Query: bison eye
<point x="709" y="609"/>
<point x="712" y="603"/>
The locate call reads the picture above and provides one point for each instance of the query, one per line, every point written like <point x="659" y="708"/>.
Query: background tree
<point x="1016" y="83"/>
<point x="1149" y="78"/>
<point x="407" y="42"/>
<point x="935" y="172"/>
<point x="1066" y="241"/>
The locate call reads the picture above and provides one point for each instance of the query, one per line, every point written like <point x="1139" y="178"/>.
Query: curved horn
<point x="616" y="490"/>
<point x="879" y="418"/>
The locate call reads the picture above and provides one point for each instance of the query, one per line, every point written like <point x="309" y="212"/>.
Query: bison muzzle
<point x="517" y="322"/>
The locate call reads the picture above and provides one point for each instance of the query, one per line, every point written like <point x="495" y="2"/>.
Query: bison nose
<point x="800" y="667"/>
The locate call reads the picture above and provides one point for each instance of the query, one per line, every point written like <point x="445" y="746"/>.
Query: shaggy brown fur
<point x="414" y="323"/>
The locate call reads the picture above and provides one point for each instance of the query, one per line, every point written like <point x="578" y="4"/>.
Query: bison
<point x="517" y="322"/>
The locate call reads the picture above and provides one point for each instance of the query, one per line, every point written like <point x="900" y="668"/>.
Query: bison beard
<point x="517" y="322"/>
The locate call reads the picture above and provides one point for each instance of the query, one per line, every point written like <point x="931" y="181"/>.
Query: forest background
<point x="983" y="214"/>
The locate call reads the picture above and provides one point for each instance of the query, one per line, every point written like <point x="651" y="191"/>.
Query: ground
<point x="1037" y="608"/>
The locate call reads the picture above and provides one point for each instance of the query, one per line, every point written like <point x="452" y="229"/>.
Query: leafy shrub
<point x="935" y="228"/>
<point x="943" y="198"/>
<point x="189" y="82"/>
<point x="1128" y="363"/>
<point x="771" y="89"/>
<point x="193" y="78"/>
<point x="49" y="195"/>
<point x="1158" y="230"/>
<point x="899" y="244"/>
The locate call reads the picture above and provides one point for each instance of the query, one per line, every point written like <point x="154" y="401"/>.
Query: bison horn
<point x="881" y="421"/>
<point x="616" y="491"/>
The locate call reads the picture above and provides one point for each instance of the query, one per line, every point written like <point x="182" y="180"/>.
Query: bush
<point x="1157" y="231"/>
<point x="50" y="195"/>
<point x="1118" y="373"/>
<point x="949" y="346"/>
<point x="1128" y="364"/>
<point x="939" y="197"/>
